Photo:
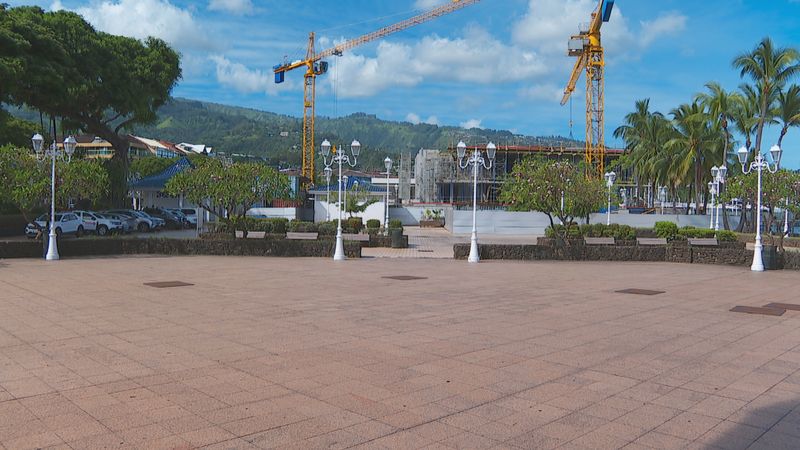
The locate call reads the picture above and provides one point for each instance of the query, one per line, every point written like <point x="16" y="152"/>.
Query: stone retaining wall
<point x="679" y="254"/>
<point x="122" y="246"/>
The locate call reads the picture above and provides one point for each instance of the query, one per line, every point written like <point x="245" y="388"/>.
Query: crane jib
<point x="608" y="6"/>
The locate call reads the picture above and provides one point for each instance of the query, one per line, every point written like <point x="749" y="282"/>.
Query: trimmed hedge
<point x="12" y="225"/>
<point x="727" y="255"/>
<point x="219" y="247"/>
<point x="373" y="224"/>
<point x="615" y="230"/>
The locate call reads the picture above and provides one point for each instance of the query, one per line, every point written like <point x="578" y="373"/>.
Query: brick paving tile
<point x="529" y="355"/>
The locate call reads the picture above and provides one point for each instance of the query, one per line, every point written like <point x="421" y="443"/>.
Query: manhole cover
<point x="789" y="306"/>
<point x="639" y="292"/>
<point x="757" y="310"/>
<point x="168" y="284"/>
<point x="405" y="278"/>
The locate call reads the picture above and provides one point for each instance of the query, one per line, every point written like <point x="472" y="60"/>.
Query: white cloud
<point x="416" y="119"/>
<point x="471" y="123"/>
<point x="667" y="24"/>
<point x="244" y="80"/>
<point x="238" y="7"/>
<point x="144" y="18"/>
<point x="546" y="92"/>
<point x="548" y="25"/>
<point x="475" y="58"/>
<point x="428" y="4"/>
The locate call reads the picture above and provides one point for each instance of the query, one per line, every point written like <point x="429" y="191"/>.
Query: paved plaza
<point x="308" y="353"/>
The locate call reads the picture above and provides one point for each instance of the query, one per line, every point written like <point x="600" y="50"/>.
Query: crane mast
<point x="315" y="66"/>
<point x="588" y="49"/>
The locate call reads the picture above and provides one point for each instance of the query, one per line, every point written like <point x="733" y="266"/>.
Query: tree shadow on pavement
<point x="770" y="426"/>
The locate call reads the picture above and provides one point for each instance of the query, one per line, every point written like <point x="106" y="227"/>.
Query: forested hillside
<point x="277" y="138"/>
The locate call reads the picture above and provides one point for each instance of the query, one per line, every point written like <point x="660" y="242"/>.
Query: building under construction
<point x="438" y="178"/>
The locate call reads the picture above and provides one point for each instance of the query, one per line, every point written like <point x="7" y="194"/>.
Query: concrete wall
<point x="374" y="211"/>
<point x="534" y="223"/>
<point x="274" y="213"/>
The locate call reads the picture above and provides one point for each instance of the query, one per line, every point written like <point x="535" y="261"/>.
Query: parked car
<point x="95" y="223"/>
<point x="128" y="222"/>
<point x="186" y="222"/>
<point x="190" y="214"/>
<point x="144" y="222"/>
<point x="158" y="222"/>
<point x="172" y="220"/>
<point x="66" y="223"/>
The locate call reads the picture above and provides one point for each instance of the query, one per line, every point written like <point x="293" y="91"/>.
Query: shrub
<point x="355" y="224"/>
<point x="692" y="232"/>
<point x="727" y="236"/>
<point x="297" y="226"/>
<point x="395" y="223"/>
<point x="326" y="229"/>
<point x="597" y="230"/>
<point x="373" y="224"/>
<point x="666" y="230"/>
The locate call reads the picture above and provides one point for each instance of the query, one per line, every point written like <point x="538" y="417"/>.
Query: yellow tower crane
<point x="586" y="46"/>
<point x="315" y="66"/>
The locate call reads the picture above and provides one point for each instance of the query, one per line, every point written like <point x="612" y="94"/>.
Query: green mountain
<point x="236" y="131"/>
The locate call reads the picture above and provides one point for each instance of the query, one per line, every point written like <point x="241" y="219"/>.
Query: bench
<point x="651" y="241"/>
<point x="599" y="240"/>
<point x="302" y="236"/>
<point x="703" y="242"/>
<point x="360" y="237"/>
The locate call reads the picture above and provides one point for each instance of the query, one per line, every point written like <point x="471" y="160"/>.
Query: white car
<point x="96" y="223"/>
<point x="66" y="223"/>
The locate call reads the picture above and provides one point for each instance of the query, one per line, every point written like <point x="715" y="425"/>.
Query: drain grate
<point x="425" y="251"/>
<point x="789" y="306"/>
<point x="405" y="278"/>
<point x="168" y="284"/>
<point x="639" y="292"/>
<point x="758" y="310"/>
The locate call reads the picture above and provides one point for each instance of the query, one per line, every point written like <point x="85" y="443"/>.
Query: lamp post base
<point x="338" y="254"/>
<point x="474" y="256"/>
<point x="52" y="248"/>
<point x="758" y="262"/>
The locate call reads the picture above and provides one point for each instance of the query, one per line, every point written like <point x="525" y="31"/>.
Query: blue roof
<point x="159" y="180"/>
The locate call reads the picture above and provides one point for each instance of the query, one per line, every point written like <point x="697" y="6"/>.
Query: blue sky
<point x="497" y="64"/>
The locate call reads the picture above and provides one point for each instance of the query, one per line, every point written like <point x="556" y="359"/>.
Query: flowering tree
<point x="233" y="188"/>
<point x="538" y="184"/>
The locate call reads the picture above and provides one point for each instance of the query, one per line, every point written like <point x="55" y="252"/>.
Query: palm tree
<point x="770" y="68"/>
<point x="788" y="110"/>
<point x="697" y="146"/>
<point x="721" y="105"/>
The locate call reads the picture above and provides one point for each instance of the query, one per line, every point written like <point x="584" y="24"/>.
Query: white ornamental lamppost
<point x="388" y="164"/>
<point x="475" y="160"/>
<point x="718" y="175"/>
<point x="53" y="152"/>
<point x="610" y="177"/>
<point x="328" y="172"/>
<point x="759" y="165"/>
<point x="339" y="157"/>
<point x="662" y="196"/>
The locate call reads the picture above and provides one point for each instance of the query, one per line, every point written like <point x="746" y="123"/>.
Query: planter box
<point x="431" y="223"/>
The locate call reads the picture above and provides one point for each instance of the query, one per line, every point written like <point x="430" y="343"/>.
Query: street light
<point x="759" y="164"/>
<point x="718" y="175"/>
<point x="662" y="196"/>
<point x="328" y="172"/>
<point x="388" y="164"/>
<point x="610" y="177"/>
<point x="53" y="152"/>
<point x="475" y="160"/>
<point x="340" y="157"/>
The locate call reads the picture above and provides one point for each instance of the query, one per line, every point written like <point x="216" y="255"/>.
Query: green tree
<point x="94" y="81"/>
<point x="537" y="185"/>
<point x="232" y="189"/>
<point x="787" y="111"/>
<point x="150" y="165"/>
<point x="26" y="181"/>
<point x="358" y="199"/>
<point x="770" y="68"/>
